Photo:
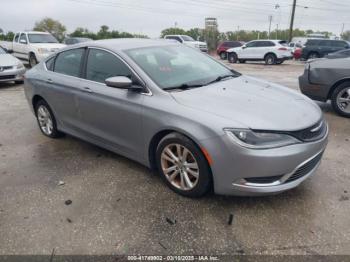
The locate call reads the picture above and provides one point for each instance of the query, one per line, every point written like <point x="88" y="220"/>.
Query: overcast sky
<point x="151" y="16"/>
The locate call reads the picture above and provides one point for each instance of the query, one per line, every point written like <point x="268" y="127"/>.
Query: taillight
<point x="282" y="49"/>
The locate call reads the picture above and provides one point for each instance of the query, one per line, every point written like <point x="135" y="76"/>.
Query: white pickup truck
<point x="189" y="41"/>
<point x="32" y="46"/>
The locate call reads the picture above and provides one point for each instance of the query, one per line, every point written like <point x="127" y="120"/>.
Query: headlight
<point x="20" y="66"/>
<point x="43" y="50"/>
<point x="260" y="140"/>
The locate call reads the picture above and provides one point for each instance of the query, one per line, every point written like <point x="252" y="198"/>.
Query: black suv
<point x="315" y="48"/>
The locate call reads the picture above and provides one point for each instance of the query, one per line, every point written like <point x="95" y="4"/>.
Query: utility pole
<point x="342" y="30"/>
<point x="276" y="31"/>
<point x="270" y="21"/>
<point x="292" y="21"/>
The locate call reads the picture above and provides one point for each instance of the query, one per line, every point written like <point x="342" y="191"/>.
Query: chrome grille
<point x="305" y="169"/>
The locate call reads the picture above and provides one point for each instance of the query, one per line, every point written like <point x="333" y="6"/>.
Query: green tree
<point x="195" y="33"/>
<point x="172" y="31"/>
<point x="52" y="26"/>
<point x="346" y="35"/>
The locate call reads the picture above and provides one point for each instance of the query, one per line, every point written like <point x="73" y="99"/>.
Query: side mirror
<point x="22" y="41"/>
<point x="244" y="46"/>
<point x="122" y="82"/>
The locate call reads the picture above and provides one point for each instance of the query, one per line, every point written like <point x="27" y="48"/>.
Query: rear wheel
<point x="183" y="166"/>
<point x="341" y="99"/>
<point x="313" y="55"/>
<point x="270" y="59"/>
<point x="232" y="58"/>
<point x="46" y="120"/>
<point x="223" y="55"/>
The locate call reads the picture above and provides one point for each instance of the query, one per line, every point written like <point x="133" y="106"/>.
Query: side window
<point x="69" y="62"/>
<point x="340" y="44"/>
<point x="102" y="65"/>
<point x="268" y="43"/>
<point x="252" y="44"/>
<point x="325" y="43"/>
<point x="260" y="44"/>
<point x="16" y="37"/>
<point x="50" y="63"/>
<point x="23" y="38"/>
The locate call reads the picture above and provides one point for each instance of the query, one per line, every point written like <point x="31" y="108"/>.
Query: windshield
<point x="41" y="38"/>
<point x="171" y="66"/>
<point x="2" y="51"/>
<point x="187" y="38"/>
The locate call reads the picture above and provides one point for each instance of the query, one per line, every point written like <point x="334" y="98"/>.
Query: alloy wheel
<point x="180" y="166"/>
<point x="45" y="120"/>
<point x="343" y="100"/>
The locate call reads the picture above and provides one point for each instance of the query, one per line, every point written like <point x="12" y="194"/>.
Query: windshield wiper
<point x="182" y="87"/>
<point x="220" y="78"/>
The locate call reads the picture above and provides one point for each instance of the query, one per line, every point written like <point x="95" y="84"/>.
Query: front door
<point x="111" y="116"/>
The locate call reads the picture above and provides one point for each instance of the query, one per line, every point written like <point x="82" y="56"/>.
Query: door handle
<point x="50" y="81"/>
<point x="87" y="90"/>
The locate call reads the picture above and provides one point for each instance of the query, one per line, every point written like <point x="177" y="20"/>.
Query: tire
<point x="241" y="61"/>
<point x="19" y="82"/>
<point x="313" y="55"/>
<point x="341" y="92"/>
<point x="223" y="55"/>
<point x="32" y="60"/>
<point x="46" y="120"/>
<point x="195" y="162"/>
<point x="232" y="58"/>
<point x="270" y="59"/>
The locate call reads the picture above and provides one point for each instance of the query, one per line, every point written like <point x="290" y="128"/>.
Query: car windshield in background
<point x="2" y="51"/>
<point x="176" y="66"/>
<point x="187" y="38"/>
<point x="41" y="38"/>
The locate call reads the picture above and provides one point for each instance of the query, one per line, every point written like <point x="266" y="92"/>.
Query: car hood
<point x="8" y="60"/>
<point x="254" y="103"/>
<point x="233" y="49"/>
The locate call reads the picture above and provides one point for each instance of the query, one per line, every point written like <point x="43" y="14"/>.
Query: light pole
<point x="270" y="21"/>
<point x="292" y="21"/>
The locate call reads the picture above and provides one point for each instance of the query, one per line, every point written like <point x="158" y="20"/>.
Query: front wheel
<point x="46" y="120"/>
<point x="341" y="99"/>
<point x="232" y="58"/>
<point x="223" y="55"/>
<point x="270" y="59"/>
<point x="183" y="166"/>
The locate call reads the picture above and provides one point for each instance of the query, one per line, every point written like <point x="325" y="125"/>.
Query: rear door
<point x="21" y="50"/>
<point x="111" y="116"/>
<point x="63" y="83"/>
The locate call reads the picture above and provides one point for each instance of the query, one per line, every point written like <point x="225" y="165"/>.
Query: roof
<point x="36" y="32"/>
<point x="127" y="43"/>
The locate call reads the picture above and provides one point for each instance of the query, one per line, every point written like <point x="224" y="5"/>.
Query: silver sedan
<point x="11" y="69"/>
<point x="200" y="124"/>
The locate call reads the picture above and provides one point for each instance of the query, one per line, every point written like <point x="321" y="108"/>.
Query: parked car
<point x="76" y="40"/>
<point x="316" y="48"/>
<point x="328" y="79"/>
<point x="34" y="46"/>
<point x="271" y="51"/>
<point x="224" y="46"/>
<point x="294" y="46"/>
<point x="172" y="108"/>
<point x="189" y="41"/>
<point x="340" y="54"/>
<point x="11" y="69"/>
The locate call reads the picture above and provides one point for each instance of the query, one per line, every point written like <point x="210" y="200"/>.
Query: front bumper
<point x="13" y="74"/>
<point x="233" y="166"/>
